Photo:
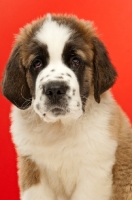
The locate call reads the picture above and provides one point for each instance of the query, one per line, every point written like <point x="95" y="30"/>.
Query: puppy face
<point x="56" y="64"/>
<point x="60" y="81"/>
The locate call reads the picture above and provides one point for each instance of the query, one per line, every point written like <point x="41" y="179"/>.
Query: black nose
<point x="55" y="90"/>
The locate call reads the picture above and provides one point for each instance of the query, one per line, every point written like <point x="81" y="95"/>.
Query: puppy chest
<point x="60" y="166"/>
<point x="64" y="168"/>
<point x="64" y="179"/>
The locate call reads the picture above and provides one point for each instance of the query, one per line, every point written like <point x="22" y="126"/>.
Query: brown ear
<point x="104" y="72"/>
<point x="14" y="85"/>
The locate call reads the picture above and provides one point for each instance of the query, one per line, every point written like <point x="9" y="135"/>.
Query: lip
<point x="58" y="111"/>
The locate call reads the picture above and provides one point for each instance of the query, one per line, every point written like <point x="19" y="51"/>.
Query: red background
<point x="114" y="22"/>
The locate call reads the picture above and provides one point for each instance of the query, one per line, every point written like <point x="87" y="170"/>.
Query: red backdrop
<point x="114" y="22"/>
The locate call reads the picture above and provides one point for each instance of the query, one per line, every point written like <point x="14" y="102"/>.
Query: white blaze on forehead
<point x="54" y="36"/>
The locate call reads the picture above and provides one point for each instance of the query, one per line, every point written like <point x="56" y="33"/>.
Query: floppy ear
<point x="14" y="84"/>
<point x="104" y="72"/>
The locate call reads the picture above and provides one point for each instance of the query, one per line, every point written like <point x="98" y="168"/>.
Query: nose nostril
<point x="49" y="92"/>
<point x="60" y="92"/>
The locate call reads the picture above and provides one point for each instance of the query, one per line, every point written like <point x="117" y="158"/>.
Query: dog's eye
<point x="75" y="62"/>
<point x="37" y="63"/>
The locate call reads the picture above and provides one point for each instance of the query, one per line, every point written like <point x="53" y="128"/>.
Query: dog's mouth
<point x="54" y="113"/>
<point x="58" y="111"/>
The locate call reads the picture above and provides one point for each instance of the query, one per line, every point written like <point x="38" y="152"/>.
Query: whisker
<point x="23" y="96"/>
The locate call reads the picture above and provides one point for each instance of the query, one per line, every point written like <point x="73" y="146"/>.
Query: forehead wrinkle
<point x="54" y="36"/>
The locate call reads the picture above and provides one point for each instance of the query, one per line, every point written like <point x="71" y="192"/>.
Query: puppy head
<point x="56" y="63"/>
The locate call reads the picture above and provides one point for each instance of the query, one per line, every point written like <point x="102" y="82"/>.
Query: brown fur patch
<point x="14" y="85"/>
<point x="29" y="173"/>
<point x="122" y="170"/>
<point x="104" y="73"/>
<point x="82" y="54"/>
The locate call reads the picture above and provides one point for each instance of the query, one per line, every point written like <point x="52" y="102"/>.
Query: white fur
<point x="78" y="156"/>
<point x="55" y="37"/>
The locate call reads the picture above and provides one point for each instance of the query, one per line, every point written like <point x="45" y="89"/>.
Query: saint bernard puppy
<point x="73" y="140"/>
